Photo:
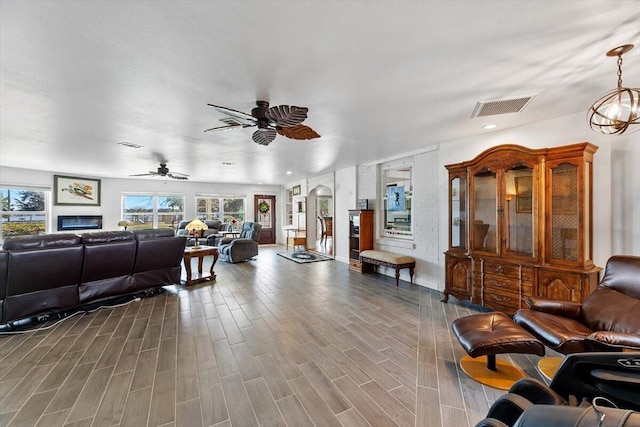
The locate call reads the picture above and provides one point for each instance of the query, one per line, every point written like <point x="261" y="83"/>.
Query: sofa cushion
<point x="41" y="241"/>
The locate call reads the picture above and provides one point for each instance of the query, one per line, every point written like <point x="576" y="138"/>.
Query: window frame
<point x="155" y="213"/>
<point x="46" y="192"/>
<point x="221" y="214"/>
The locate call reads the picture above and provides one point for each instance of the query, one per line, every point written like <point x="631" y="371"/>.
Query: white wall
<point x="111" y="198"/>
<point x="344" y="199"/>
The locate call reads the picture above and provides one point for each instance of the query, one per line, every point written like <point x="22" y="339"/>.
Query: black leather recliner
<point x="580" y="378"/>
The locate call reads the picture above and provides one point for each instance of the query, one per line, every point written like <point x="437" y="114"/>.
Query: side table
<point x="200" y="253"/>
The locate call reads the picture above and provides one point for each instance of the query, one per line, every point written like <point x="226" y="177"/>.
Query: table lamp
<point x="125" y="223"/>
<point x="196" y="226"/>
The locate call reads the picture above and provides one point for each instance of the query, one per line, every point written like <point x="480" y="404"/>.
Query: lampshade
<point x="125" y="223"/>
<point x="196" y="225"/>
<point x="617" y="111"/>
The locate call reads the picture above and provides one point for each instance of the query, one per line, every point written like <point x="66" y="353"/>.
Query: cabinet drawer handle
<point x="499" y="269"/>
<point x="498" y="284"/>
<point x="500" y="299"/>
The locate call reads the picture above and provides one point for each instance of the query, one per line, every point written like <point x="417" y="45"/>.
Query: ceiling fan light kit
<point x="285" y="120"/>
<point x="617" y="111"/>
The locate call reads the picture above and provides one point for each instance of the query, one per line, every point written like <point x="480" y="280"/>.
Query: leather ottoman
<point x="488" y="334"/>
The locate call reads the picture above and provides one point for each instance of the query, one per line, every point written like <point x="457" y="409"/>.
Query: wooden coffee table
<point x="200" y="253"/>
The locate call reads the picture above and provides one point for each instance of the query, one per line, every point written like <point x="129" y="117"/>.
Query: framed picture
<point x="363" y="204"/>
<point x="73" y="190"/>
<point x="296" y="190"/>
<point x="524" y="194"/>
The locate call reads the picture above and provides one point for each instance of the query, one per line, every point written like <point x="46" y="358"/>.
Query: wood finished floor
<point x="272" y="343"/>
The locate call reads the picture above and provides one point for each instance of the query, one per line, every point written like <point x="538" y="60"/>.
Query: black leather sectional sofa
<point x="58" y="272"/>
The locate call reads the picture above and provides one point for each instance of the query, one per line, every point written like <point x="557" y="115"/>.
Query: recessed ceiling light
<point x="489" y="126"/>
<point x="289" y="172"/>
<point x="130" y="144"/>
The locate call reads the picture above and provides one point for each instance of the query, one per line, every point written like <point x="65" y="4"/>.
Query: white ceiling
<point x="379" y="78"/>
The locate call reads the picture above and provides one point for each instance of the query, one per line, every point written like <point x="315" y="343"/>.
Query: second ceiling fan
<point x="285" y="120"/>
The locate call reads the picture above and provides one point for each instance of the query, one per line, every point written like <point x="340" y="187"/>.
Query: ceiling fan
<point x="163" y="170"/>
<point x="283" y="119"/>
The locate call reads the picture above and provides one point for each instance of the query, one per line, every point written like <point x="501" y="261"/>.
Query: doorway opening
<point x="320" y="220"/>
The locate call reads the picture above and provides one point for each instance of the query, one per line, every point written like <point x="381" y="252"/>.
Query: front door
<point x="265" y="214"/>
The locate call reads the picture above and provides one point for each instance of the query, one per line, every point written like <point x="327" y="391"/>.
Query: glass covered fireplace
<point x="79" y="222"/>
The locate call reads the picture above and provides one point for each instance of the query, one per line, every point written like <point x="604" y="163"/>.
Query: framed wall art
<point x="296" y="190"/>
<point x="73" y="190"/>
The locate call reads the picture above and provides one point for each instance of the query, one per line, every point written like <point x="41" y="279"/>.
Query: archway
<point x="320" y="220"/>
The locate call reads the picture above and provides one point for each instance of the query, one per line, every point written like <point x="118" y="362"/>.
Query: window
<point x="153" y="211"/>
<point x="397" y="194"/>
<point x="24" y="211"/>
<point x="228" y="209"/>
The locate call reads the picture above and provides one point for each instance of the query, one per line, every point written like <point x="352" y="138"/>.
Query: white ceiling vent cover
<point x="502" y="106"/>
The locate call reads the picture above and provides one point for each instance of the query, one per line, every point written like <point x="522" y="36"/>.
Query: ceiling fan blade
<point x="298" y="132"/>
<point x="287" y="115"/>
<point x="228" y="127"/>
<point x="145" y="174"/>
<point x="233" y="113"/>
<point x="264" y="136"/>
<point x="175" y="175"/>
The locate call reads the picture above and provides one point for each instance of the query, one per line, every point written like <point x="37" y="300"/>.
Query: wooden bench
<point x="371" y="258"/>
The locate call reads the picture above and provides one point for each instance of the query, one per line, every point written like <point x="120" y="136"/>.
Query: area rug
<point x="304" y="257"/>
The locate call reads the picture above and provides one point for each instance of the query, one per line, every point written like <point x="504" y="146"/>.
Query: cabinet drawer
<point x="507" y="285"/>
<point x="497" y="299"/>
<point x="508" y="270"/>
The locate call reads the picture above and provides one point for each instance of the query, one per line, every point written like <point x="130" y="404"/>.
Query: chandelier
<point x="616" y="111"/>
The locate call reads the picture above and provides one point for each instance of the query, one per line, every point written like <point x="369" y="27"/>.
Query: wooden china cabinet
<point x="520" y="223"/>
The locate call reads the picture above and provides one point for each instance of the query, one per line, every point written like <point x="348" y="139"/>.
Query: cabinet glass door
<point x="518" y="209"/>
<point x="458" y="212"/>
<point x="484" y="230"/>
<point x="564" y="212"/>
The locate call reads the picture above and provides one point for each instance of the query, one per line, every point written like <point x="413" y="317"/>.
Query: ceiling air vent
<point x="502" y="106"/>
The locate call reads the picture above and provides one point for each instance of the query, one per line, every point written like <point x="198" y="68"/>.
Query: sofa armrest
<point x="556" y="307"/>
<point x="614" y="340"/>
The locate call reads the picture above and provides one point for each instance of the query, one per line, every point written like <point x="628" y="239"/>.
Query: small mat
<point x="303" y="257"/>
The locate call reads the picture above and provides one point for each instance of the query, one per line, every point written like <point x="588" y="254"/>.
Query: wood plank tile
<point x="276" y="382"/>
<point x="189" y="414"/>
<point x="293" y="412"/>
<point x="70" y="390"/>
<point x="372" y="370"/>
<point x="163" y="399"/>
<point x="238" y="403"/>
<point x="318" y="411"/>
<point x="244" y="359"/>
<point x="55" y="419"/>
<point x="363" y="403"/>
<point x="389" y="404"/>
<point x="325" y="388"/>
<point x="428" y="407"/>
<point x="167" y="354"/>
<point x="33" y="408"/>
<point x="263" y="404"/>
<point x="187" y="380"/>
<point x="90" y="398"/>
<point x="112" y="404"/>
<point x="225" y="361"/>
<point x="23" y="389"/>
<point x="352" y="418"/>
<point x="128" y="357"/>
<point x="136" y="410"/>
<point x="144" y="373"/>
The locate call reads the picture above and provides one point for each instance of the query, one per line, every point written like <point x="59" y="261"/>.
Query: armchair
<point x="244" y="247"/>
<point x="607" y="320"/>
